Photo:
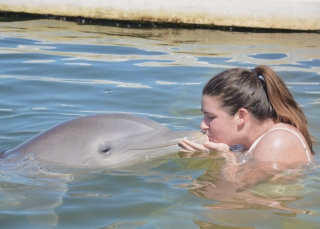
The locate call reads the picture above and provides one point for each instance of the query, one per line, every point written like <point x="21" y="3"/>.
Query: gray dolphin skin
<point x="108" y="141"/>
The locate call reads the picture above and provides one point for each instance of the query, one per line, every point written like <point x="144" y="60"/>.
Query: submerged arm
<point x="239" y="174"/>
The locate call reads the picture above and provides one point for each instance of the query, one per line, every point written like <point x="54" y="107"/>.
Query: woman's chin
<point x="211" y="139"/>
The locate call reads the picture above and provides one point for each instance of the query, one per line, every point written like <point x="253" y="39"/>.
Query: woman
<point x="255" y="109"/>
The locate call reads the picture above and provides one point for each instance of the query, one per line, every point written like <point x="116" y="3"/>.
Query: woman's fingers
<point x="185" y="146"/>
<point x="190" y="146"/>
<point x="219" y="147"/>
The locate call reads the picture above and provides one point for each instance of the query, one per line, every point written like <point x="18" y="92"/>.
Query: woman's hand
<point x="190" y="146"/>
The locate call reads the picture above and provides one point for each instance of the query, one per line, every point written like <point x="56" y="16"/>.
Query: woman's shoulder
<point x="282" y="143"/>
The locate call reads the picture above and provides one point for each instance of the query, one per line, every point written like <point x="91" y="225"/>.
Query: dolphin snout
<point x="198" y="137"/>
<point x="195" y="136"/>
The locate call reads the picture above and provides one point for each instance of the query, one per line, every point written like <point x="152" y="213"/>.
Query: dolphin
<point x="85" y="144"/>
<point x="103" y="141"/>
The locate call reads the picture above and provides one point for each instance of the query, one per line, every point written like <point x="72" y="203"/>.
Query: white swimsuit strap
<point x="255" y="143"/>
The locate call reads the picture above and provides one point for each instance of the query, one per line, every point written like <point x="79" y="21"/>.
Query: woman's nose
<point x="203" y="125"/>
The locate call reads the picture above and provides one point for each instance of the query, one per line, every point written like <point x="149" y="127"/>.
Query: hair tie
<point x="255" y="73"/>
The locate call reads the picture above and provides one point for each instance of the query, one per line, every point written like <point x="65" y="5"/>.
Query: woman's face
<point x="217" y="123"/>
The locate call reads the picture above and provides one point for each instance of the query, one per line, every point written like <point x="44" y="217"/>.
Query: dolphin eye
<point x="105" y="151"/>
<point x="105" y="148"/>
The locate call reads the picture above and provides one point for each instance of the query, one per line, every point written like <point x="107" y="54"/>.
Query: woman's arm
<point x="240" y="174"/>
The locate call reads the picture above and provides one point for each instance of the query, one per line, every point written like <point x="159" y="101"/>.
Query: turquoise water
<point x="52" y="71"/>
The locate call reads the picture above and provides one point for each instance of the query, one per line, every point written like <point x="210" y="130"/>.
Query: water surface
<point x="52" y="71"/>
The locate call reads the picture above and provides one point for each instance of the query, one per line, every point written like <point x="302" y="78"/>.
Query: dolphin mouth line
<point x="173" y="143"/>
<point x="179" y="139"/>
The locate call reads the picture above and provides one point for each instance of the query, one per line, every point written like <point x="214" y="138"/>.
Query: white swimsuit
<point x="255" y="143"/>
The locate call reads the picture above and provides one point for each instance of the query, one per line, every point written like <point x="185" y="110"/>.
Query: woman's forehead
<point x="210" y="104"/>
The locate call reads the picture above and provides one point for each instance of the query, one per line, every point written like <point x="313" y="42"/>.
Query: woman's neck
<point x="257" y="129"/>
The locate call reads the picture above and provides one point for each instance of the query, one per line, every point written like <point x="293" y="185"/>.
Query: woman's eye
<point x="211" y="117"/>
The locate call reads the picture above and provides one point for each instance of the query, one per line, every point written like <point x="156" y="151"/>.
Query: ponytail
<point x="286" y="109"/>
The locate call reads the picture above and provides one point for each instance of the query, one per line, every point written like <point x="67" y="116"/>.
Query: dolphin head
<point x="109" y="140"/>
<point x="150" y="144"/>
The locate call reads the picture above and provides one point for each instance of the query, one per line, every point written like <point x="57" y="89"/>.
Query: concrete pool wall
<point x="270" y="14"/>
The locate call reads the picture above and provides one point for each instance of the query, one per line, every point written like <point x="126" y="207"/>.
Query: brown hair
<point x="260" y="91"/>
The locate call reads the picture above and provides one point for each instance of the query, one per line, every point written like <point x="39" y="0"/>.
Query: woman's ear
<point x="242" y="116"/>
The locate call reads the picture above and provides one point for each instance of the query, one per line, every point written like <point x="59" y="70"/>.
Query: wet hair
<point x="262" y="92"/>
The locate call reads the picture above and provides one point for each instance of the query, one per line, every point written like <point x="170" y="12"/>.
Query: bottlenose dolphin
<point x="82" y="145"/>
<point x="103" y="141"/>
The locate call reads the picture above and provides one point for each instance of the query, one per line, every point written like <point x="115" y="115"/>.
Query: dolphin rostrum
<point x="103" y="141"/>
